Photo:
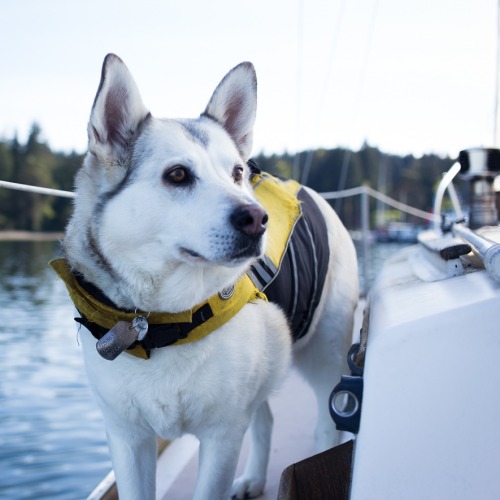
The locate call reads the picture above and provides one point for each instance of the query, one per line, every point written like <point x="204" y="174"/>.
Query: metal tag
<point x="119" y="338"/>
<point x="140" y="325"/>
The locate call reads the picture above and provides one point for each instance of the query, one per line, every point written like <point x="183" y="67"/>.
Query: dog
<point x="166" y="218"/>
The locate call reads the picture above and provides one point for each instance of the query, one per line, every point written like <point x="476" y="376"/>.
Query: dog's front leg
<point x="134" y="461"/>
<point x="251" y="483"/>
<point x="217" y="465"/>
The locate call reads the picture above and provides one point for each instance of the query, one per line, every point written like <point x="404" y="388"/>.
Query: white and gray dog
<point x="167" y="236"/>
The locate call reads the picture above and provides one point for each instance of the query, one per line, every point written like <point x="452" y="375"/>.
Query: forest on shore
<point x="406" y="178"/>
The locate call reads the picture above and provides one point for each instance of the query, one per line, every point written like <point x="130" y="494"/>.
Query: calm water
<point x="52" y="442"/>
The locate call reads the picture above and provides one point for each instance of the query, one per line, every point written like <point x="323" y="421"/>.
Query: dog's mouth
<point x="250" y="250"/>
<point x="191" y="254"/>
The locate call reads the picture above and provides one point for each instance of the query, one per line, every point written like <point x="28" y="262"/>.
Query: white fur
<point x="155" y="246"/>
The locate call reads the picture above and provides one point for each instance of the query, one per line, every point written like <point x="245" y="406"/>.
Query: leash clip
<point x="140" y="325"/>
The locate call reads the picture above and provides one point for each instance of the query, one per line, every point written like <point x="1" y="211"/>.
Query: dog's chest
<point x="173" y="393"/>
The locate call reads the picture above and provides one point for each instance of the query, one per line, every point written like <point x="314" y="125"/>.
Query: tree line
<point x="406" y="178"/>
<point x="35" y="164"/>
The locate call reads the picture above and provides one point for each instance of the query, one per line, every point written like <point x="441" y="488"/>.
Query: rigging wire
<point x="326" y="81"/>
<point x="361" y="84"/>
<point x="298" y="102"/>
<point x="320" y="110"/>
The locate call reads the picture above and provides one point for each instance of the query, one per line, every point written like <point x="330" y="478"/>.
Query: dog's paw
<point x="247" y="487"/>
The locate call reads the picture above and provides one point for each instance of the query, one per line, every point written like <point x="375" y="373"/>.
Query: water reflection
<point x="52" y="443"/>
<point x="378" y="254"/>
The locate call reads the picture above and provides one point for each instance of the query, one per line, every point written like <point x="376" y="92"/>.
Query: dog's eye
<point x="238" y="174"/>
<point x="177" y="175"/>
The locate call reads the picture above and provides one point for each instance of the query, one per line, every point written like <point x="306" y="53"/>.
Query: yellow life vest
<point x="279" y="198"/>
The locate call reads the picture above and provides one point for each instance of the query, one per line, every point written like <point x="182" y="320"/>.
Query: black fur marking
<point x="208" y="116"/>
<point x="99" y="258"/>
<point x="106" y="197"/>
<point x="195" y="132"/>
<point x="142" y="125"/>
<point x="212" y="118"/>
<point x="130" y="169"/>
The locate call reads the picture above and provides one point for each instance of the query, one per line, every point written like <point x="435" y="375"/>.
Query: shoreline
<point x="12" y="235"/>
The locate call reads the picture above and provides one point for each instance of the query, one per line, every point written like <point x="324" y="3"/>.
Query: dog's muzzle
<point x="250" y="219"/>
<point x="250" y="223"/>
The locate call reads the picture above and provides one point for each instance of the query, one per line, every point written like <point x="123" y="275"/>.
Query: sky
<point x="406" y="76"/>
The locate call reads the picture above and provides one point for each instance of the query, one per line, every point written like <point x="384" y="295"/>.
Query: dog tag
<point x="119" y="338"/>
<point x="140" y="325"/>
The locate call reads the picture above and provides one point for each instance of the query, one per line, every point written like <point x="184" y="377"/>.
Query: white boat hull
<point x="430" y="420"/>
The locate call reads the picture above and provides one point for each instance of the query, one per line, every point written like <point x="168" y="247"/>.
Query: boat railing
<point x="365" y="192"/>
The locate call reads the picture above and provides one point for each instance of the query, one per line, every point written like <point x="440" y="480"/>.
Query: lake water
<point x="52" y="441"/>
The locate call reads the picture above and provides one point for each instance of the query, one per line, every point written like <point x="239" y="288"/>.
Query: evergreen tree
<point x="6" y="169"/>
<point x="34" y="167"/>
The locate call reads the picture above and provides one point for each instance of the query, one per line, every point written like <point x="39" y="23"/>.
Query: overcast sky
<point x="407" y="76"/>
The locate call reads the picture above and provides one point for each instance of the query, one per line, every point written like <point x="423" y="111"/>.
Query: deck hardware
<point x="351" y="360"/>
<point x="487" y="250"/>
<point x="480" y="166"/>
<point x="345" y="403"/>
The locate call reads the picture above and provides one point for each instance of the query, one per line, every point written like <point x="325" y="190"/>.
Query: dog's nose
<point x="250" y="219"/>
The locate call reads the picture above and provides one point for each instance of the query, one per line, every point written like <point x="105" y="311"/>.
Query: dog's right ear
<point x="116" y="114"/>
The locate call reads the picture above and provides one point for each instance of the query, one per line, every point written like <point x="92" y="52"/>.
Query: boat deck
<point x="294" y="410"/>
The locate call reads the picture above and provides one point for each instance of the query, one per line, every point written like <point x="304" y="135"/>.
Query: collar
<point x="100" y="315"/>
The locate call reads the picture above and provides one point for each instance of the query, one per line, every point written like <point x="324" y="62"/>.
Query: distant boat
<point x="401" y="232"/>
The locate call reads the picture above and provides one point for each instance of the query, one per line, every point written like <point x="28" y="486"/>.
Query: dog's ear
<point x="234" y="105"/>
<point x="116" y="114"/>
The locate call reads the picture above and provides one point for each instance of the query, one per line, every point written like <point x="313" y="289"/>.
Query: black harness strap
<point x="159" y="335"/>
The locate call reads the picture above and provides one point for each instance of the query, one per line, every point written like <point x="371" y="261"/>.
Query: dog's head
<point x="171" y="191"/>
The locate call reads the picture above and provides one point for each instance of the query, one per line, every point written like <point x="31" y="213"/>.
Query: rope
<point x="37" y="189"/>
<point x="330" y="195"/>
<point x="398" y="205"/>
<point x="378" y="196"/>
<point x="334" y="195"/>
